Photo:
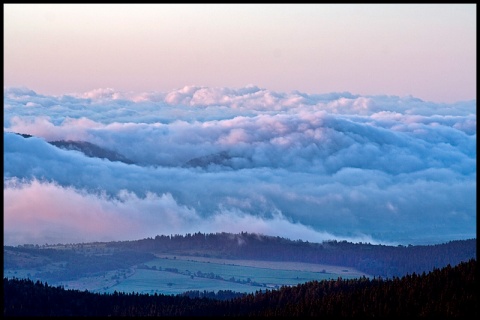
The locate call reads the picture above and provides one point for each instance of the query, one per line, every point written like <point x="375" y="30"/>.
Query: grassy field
<point x="281" y="265"/>
<point x="169" y="274"/>
<point x="177" y="274"/>
<point x="163" y="282"/>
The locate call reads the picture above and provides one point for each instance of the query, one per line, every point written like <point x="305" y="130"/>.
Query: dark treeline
<point x="219" y="295"/>
<point x="376" y="260"/>
<point x="446" y="292"/>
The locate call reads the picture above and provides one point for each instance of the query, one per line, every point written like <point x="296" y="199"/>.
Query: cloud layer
<point x="382" y="169"/>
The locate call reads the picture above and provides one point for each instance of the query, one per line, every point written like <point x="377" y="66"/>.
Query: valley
<point x="216" y="262"/>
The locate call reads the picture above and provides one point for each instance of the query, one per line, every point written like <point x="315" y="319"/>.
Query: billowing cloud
<point x="382" y="169"/>
<point x="54" y="214"/>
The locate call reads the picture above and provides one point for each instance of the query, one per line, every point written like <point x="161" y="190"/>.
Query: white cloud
<point x="382" y="168"/>
<point x="55" y="214"/>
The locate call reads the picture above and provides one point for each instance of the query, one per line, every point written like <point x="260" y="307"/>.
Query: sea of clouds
<point x="378" y="169"/>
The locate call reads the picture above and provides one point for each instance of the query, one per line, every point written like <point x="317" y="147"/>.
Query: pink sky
<point x="427" y="51"/>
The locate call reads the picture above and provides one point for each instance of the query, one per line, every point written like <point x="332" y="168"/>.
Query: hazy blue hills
<point x="375" y="260"/>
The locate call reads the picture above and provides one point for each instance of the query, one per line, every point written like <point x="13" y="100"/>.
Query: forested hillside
<point x="377" y="260"/>
<point x="446" y="292"/>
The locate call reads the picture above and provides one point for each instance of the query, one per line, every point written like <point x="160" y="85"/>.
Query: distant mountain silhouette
<point x="89" y="149"/>
<point x="221" y="158"/>
<point x="24" y="135"/>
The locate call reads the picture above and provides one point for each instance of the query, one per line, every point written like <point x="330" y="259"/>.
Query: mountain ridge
<point x="377" y="260"/>
<point x="87" y="148"/>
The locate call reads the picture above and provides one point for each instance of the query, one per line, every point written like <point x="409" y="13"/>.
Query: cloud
<point x="383" y="168"/>
<point x="54" y="214"/>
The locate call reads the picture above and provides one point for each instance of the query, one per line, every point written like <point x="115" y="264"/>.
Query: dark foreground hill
<point x="441" y="293"/>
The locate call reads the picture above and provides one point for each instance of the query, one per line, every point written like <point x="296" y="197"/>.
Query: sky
<point x="424" y="50"/>
<point x="311" y="122"/>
